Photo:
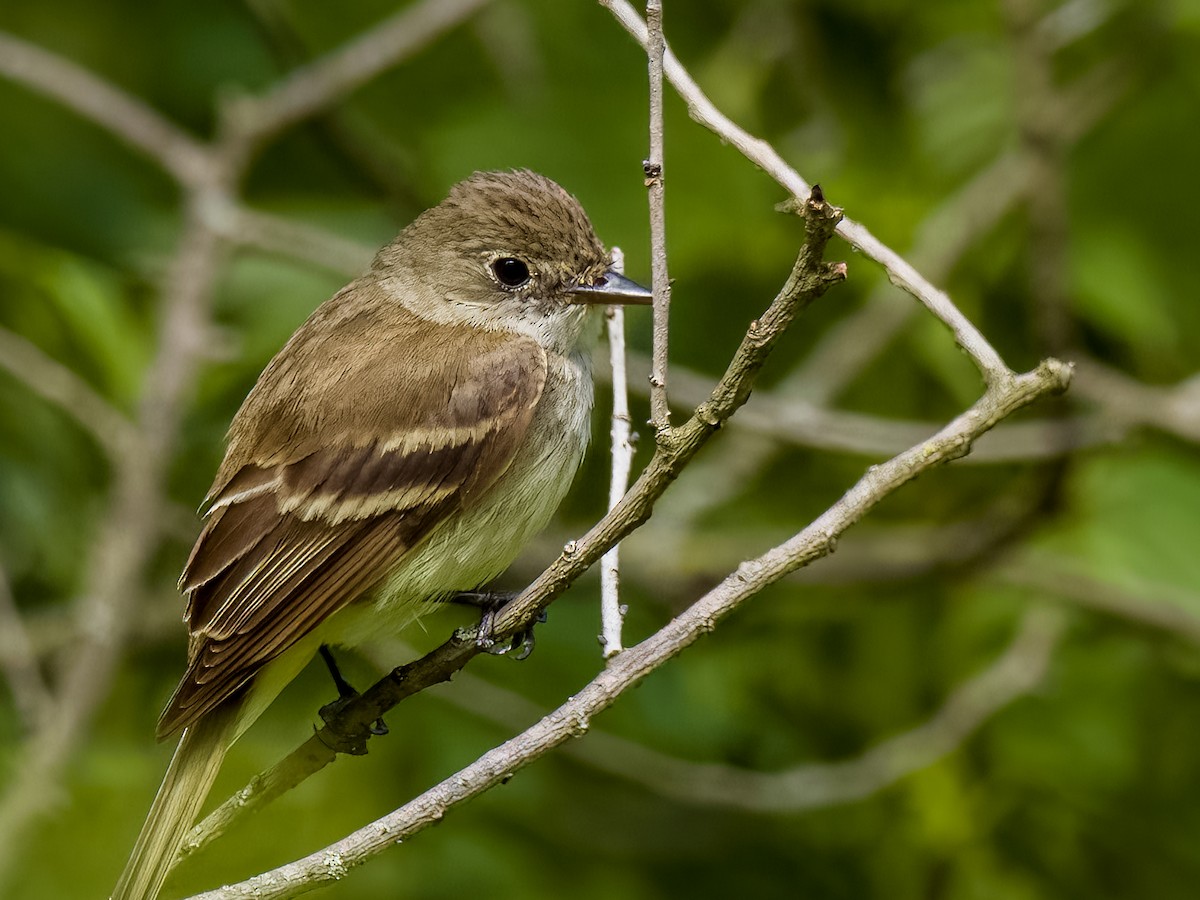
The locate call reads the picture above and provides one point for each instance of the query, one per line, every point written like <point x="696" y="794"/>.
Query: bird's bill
<point x="614" y="288"/>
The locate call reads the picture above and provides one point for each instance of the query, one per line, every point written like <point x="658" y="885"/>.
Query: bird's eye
<point x="510" y="272"/>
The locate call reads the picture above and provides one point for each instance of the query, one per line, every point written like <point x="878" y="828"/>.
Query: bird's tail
<point x="192" y="771"/>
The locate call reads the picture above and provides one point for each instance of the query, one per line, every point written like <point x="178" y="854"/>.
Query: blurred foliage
<point x="1091" y="787"/>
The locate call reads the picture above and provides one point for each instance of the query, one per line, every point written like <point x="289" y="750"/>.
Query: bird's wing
<point x="330" y="480"/>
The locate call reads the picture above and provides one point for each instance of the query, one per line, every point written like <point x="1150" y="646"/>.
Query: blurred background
<point x="992" y="689"/>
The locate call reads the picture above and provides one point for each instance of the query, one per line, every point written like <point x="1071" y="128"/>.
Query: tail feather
<point x="192" y="771"/>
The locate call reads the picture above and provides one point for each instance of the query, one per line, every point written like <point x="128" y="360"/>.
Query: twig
<point x="125" y="543"/>
<point x="899" y="271"/>
<point x="848" y="347"/>
<point x="19" y="661"/>
<point x="128" y="535"/>
<point x="94" y="99"/>
<point x="573" y="718"/>
<point x="773" y="415"/>
<point x="293" y="240"/>
<point x="1017" y="672"/>
<point x="342" y="71"/>
<point x="1174" y="409"/>
<point x="809" y="279"/>
<point x="55" y="383"/>
<point x="660" y="409"/>
<point x="612" y="612"/>
<point x="1152" y="605"/>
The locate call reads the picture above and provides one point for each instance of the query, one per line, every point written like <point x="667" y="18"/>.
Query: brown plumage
<point x="327" y="483"/>
<point x="403" y="445"/>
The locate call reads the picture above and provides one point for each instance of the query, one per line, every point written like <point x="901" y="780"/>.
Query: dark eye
<point x="510" y="272"/>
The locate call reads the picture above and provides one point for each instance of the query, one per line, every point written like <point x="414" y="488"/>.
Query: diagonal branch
<point x="1014" y="674"/>
<point x="328" y="79"/>
<point x="810" y="278"/>
<point x="57" y="384"/>
<point x="627" y="669"/>
<point x="95" y="99"/>
<point x="19" y="662"/>
<point x="899" y="271"/>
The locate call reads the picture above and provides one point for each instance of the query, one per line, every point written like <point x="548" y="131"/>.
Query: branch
<point x="1017" y="672"/>
<point x="57" y="384"/>
<point x="19" y="661"/>
<point x="763" y="155"/>
<point x="348" y="731"/>
<point x="660" y="409"/>
<point x="95" y="99"/>
<point x="773" y="415"/>
<point x="627" y="669"/>
<point x="125" y="543"/>
<point x="328" y="79"/>
<point x="612" y="613"/>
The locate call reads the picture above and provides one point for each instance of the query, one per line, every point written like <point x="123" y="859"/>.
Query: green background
<point x="1089" y="787"/>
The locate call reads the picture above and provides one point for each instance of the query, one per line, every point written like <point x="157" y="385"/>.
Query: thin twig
<point x="19" y="661"/>
<point x="125" y="542"/>
<point x="1014" y="674"/>
<point x="660" y="408"/>
<point x="573" y="718"/>
<point x="899" y="271"/>
<point x="848" y="348"/>
<point x="612" y="612"/>
<point x="1154" y="605"/>
<point x="333" y="76"/>
<point x="775" y="416"/>
<point x="93" y="98"/>
<point x="55" y="383"/>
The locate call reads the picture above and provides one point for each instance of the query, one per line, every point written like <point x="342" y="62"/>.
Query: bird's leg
<point x="344" y="688"/>
<point x="490" y="603"/>
<point x="346" y="692"/>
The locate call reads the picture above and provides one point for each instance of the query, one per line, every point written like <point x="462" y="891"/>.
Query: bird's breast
<point x="473" y="546"/>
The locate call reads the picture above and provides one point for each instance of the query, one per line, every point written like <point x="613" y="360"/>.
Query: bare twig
<point x="772" y="415"/>
<point x="1017" y="672"/>
<point x="342" y="71"/>
<point x="573" y="718"/>
<point x="1153" y="605"/>
<point x="55" y="383"/>
<point x="899" y="271"/>
<point x="94" y="99"/>
<point x="209" y="172"/>
<point x="19" y="661"/>
<point x="612" y="612"/>
<point x="847" y="349"/>
<point x="125" y="543"/>
<point x="660" y="409"/>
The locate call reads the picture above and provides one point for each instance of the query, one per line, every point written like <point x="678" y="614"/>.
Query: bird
<point x="401" y="448"/>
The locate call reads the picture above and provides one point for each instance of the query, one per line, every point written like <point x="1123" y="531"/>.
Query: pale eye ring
<point x="510" y="271"/>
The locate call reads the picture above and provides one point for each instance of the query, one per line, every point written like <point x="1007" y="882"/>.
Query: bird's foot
<point x="490" y="603"/>
<point x="346" y="693"/>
